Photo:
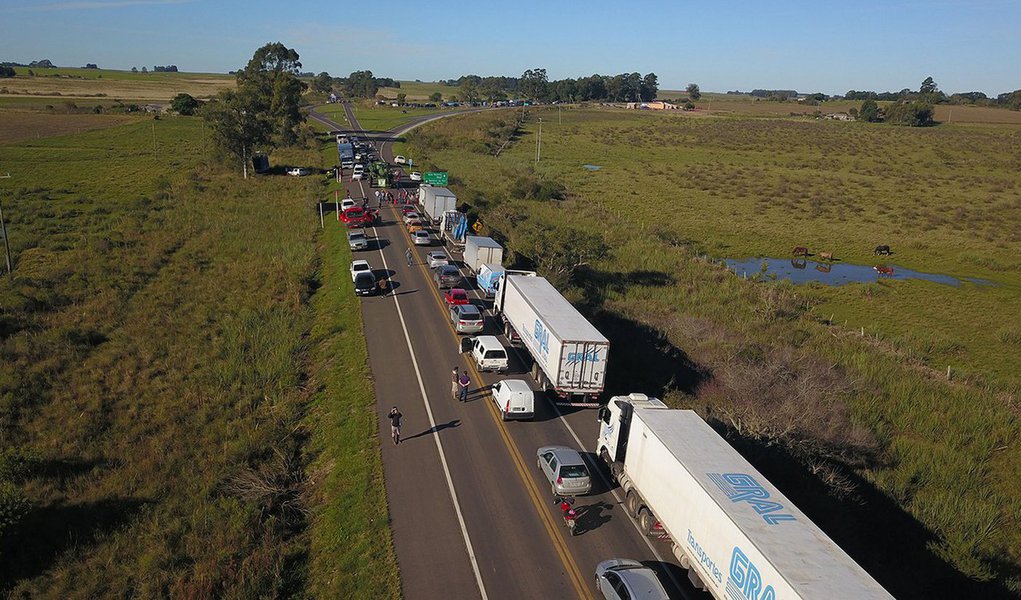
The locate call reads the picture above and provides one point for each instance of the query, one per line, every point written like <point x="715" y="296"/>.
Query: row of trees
<point x="157" y="69"/>
<point x="930" y="93"/>
<point x="912" y="114"/>
<point x="534" y="84"/>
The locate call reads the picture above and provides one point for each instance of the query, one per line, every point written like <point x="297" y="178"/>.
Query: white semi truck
<point x="737" y="535"/>
<point x="569" y="354"/>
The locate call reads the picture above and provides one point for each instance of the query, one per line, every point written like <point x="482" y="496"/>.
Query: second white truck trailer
<point x="568" y="352"/>
<point x="737" y="535"/>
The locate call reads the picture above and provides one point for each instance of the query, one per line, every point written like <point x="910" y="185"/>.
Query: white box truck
<point x="435" y="201"/>
<point x="480" y="250"/>
<point x="737" y="535"/>
<point x="569" y="354"/>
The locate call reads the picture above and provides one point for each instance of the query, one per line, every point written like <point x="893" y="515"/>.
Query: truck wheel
<point x="507" y="331"/>
<point x="631" y="502"/>
<point x="646" y="521"/>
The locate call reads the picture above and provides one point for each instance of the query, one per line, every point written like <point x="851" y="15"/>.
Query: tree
<point x="928" y="86"/>
<point x="693" y="92"/>
<point x="559" y="250"/>
<point x="869" y="111"/>
<point x="7" y="71"/>
<point x="470" y="90"/>
<point x="401" y="97"/>
<point x="184" y="104"/>
<point x="534" y="83"/>
<point x="435" y="97"/>
<point x="361" y="84"/>
<point x="134" y="69"/>
<point x="648" y="88"/>
<point x="323" y="83"/>
<point x="264" y="110"/>
<point x="912" y="114"/>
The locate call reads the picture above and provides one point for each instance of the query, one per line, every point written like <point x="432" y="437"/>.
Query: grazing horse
<point x="883" y="270"/>
<point x="826" y="256"/>
<point x="884" y="250"/>
<point x="800" y="251"/>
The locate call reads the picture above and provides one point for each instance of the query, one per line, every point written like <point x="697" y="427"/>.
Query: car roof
<point x="421" y="233"/>
<point x="641" y="582"/>
<point x="468" y="308"/>
<point x="457" y="291"/>
<point x="438" y="253"/>
<point x="564" y="454"/>
<point x="365" y="275"/>
<point x="516" y="385"/>
<point x="449" y="269"/>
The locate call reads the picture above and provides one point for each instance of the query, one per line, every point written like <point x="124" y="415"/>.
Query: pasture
<point x="175" y="380"/>
<point x="69" y="83"/>
<point x="894" y="456"/>
<point x="419" y="91"/>
<point x="27" y="125"/>
<point x="377" y="118"/>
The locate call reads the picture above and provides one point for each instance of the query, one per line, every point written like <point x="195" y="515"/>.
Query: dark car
<point x="365" y="283"/>
<point x="447" y="276"/>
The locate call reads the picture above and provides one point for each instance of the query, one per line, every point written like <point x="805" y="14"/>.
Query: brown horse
<point x="825" y="256"/>
<point x="883" y="270"/>
<point x="800" y="251"/>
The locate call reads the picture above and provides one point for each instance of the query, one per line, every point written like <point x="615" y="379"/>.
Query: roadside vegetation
<point x="907" y="471"/>
<point x="184" y="402"/>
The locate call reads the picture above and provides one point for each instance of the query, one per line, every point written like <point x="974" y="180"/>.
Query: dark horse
<point x="799" y="251"/>
<point x="884" y="250"/>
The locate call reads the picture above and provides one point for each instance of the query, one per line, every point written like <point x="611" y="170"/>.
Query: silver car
<point x="624" y="579"/>
<point x="467" y="318"/>
<point x="437" y="258"/>
<point x="565" y="470"/>
<point x="357" y="240"/>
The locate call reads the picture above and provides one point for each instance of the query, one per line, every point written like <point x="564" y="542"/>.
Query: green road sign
<point x="435" y="178"/>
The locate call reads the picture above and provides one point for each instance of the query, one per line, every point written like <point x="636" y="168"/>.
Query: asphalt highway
<point x="472" y="515"/>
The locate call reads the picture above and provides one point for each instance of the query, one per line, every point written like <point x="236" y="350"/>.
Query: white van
<point x="514" y="399"/>
<point x="487" y="352"/>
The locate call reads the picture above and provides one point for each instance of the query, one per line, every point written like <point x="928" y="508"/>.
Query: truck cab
<point x="614" y="424"/>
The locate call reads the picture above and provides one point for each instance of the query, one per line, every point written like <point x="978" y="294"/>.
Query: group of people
<point x="395" y="197"/>
<point x="459" y="383"/>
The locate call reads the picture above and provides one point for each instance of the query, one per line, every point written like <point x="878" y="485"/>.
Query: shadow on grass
<point x="886" y="541"/>
<point x="48" y="531"/>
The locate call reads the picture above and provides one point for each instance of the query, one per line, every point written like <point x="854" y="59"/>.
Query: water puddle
<point x="800" y="270"/>
<point x="591" y="167"/>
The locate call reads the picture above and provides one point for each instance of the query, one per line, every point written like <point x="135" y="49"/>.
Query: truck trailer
<point x="436" y="201"/>
<point x="568" y="353"/>
<point x="480" y="250"/>
<point x="454" y="227"/>
<point x="737" y="535"/>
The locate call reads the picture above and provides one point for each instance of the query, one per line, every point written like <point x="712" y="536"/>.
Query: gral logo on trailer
<point x="741" y="487"/>
<point x="744" y="581"/>
<point x="541" y="336"/>
<point x="574" y="358"/>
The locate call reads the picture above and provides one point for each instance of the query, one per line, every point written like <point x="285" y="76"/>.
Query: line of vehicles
<point x="738" y="537"/>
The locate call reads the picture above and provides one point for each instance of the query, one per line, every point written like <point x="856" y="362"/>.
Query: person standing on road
<point x="453" y="383"/>
<point x="462" y="384"/>
<point x="395" y="424"/>
<point x="407" y="254"/>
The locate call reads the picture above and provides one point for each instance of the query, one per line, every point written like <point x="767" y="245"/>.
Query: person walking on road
<point x="453" y="383"/>
<point x="407" y="255"/>
<point x="395" y="424"/>
<point x="462" y="384"/>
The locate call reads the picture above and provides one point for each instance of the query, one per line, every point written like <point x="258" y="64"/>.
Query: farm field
<point x="784" y="369"/>
<point x="25" y="125"/>
<point x="173" y="385"/>
<point x="70" y="83"/>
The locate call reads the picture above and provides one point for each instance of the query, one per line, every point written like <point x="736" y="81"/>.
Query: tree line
<point x="534" y="84"/>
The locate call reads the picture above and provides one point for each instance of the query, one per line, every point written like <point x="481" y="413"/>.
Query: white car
<point x="415" y="176"/>
<point x="347" y="203"/>
<point x="411" y="216"/>
<point x="358" y="172"/>
<point x="359" y="266"/>
<point x="400" y="160"/>
<point x="299" y="171"/>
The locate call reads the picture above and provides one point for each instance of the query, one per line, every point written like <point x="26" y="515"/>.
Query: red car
<point x="406" y="208"/>
<point x="358" y="217"/>
<point x="456" y="296"/>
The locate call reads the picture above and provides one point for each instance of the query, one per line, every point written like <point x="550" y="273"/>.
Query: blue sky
<point x="721" y="45"/>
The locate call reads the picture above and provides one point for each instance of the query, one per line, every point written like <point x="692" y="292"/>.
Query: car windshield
<point x="469" y="311"/>
<point x="360" y="267"/>
<point x="573" y="471"/>
<point x="459" y="296"/>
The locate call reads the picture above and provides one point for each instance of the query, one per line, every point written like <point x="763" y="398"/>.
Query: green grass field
<point x="183" y="370"/>
<point x="420" y="91"/>
<point x="110" y="84"/>
<point x="377" y="118"/>
<point x="886" y="446"/>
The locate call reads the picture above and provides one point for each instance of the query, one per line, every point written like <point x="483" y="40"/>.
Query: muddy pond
<point x="801" y="270"/>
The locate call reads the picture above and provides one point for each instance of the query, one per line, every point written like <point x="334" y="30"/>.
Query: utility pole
<point x="3" y="230"/>
<point x="538" y="142"/>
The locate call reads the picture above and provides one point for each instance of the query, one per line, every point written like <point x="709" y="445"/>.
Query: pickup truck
<point x="359" y="217"/>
